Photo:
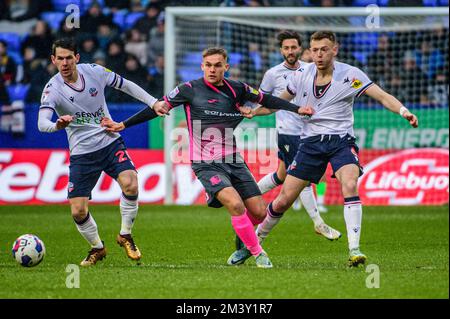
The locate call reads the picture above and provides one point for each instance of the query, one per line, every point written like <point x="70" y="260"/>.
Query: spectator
<point x="306" y="56"/>
<point x="156" y="43"/>
<point x="438" y="92"/>
<point x="41" y="40"/>
<point x="414" y="82"/>
<point x="21" y="10"/>
<point x="381" y="62"/>
<point x="89" y="50"/>
<point x="117" y="5"/>
<point x="156" y="77"/>
<point x="65" y="31"/>
<point x="105" y="33"/>
<point x="40" y="73"/>
<point x="94" y="17"/>
<point x="8" y="68"/>
<point x="136" y="73"/>
<point x="115" y="56"/>
<point x="149" y="21"/>
<point x="136" y="45"/>
<point x="428" y="58"/>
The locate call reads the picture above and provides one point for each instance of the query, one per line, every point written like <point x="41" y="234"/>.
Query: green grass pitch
<point x="185" y="251"/>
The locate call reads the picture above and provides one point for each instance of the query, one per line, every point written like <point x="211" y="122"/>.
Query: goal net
<point x="404" y="51"/>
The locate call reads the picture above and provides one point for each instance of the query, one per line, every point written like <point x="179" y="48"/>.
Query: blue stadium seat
<point x="234" y="58"/>
<point x="18" y="91"/>
<point x="12" y="39"/>
<point x="119" y="19"/>
<point x="187" y="74"/>
<point x="430" y="3"/>
<point x="443" y="3"/>
<point x="16" y="56"/>
<point x="192" y="59"/>
<point x="53" y="19"/>
<point x="364" y="3"/>
<point x="131" y="19"/>
<point x="60" y="5"/>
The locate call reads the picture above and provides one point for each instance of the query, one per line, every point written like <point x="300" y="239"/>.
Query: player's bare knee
<point x="79" y="211"/>
<point x="349" y="187"/>
<point x="237" y="207"/>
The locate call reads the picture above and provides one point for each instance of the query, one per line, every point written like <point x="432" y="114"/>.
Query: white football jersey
<point x="274" y="82"/>
<point x="86" y="104"/>
<point x="333" y="108"/>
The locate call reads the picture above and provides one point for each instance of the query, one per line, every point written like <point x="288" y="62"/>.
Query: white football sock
<point x="88" y="229"/>
<point x="128" y="210"/>
<point x="309" y="202"/>
<point x="267" y="183"/>
<point x="353" y="217"/>
<point x="271" y="220"/>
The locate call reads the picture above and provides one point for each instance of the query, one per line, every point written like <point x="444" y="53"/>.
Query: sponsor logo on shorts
<point x="70" y="187"/>
<point x="215" y="180"/>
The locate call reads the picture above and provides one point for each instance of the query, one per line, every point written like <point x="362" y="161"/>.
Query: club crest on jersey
<point x="356" y="84"/>
<point x="93" y="91"/>
<point x="252" y="90"/>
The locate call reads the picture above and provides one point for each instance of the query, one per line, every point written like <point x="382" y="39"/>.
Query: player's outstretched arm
<point x="46" y="125"/>
<point x="159" y="109"/>
<point x="392" y="104"/>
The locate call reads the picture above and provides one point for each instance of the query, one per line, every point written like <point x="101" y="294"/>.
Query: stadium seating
<point x="16" y="56"/>
<point x="12" y="39"/>
<point x="18" y="92"/>
<point x="119" y="19"/>
<point x="53" y="19"/>
<point x="234" y="58"/>
<point x="131" y="18"/>
<point x="60" y="5"/>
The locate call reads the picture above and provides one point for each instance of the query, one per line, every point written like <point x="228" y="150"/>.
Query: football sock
<point x="244" y="229"/>
<point x="321" y="189"/>
<point x="128" y="209"/>
<point x="269" y="222"/>
<point x="268" y="182"/>
<point x="88" y="229"/>
<point x="353" y="216"/>
<point x="309" y="202"/>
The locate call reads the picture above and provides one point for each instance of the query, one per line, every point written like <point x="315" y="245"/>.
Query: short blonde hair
<point x="215" y="50"/>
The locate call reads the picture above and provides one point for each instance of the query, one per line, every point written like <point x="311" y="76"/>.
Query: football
<point x="28" y="250"/>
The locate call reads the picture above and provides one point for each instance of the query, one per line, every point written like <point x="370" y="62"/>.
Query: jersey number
<point x="122" y="156"/>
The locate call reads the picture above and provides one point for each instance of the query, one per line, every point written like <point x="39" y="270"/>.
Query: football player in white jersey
<point x="76" y="94"/>
<point x="289" y="126"/>
<point x="330" y="87"/>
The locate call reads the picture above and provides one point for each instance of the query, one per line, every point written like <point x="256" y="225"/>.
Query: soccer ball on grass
<point x="28" y="250"/>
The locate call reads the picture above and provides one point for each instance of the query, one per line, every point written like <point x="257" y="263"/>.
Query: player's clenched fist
<point x="411" y="118"/>
<point x="161" y="108"/>
<point x="63" y="121"/>
<point x="306" y="111"/>
<point x="111" y="126"/>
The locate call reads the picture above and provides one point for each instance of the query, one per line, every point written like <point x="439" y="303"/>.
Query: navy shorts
<point x="85" y="169"/>
<point x="314" y="154"/>
<point x="216" y="176"/>
<point x="287" y="148"/>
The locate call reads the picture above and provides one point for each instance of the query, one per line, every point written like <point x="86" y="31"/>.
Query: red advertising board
<point x="410" y="177"/>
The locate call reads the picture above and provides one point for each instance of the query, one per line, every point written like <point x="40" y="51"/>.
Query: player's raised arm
<point x="391" y="103"/>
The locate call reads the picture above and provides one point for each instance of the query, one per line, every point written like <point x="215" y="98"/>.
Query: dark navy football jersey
<point x="212" y="114"/>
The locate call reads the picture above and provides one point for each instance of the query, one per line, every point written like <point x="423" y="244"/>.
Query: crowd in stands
<point x="127" y="36"/>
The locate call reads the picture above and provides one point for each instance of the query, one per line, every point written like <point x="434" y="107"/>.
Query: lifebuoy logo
<point x="410" y="177"/>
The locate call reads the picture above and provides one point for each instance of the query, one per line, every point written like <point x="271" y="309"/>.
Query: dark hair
<point x="286" y="34"/>
<point x="65" y="43"/>
<point x="319" y="35"/>
<point x="215" y="50"/>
